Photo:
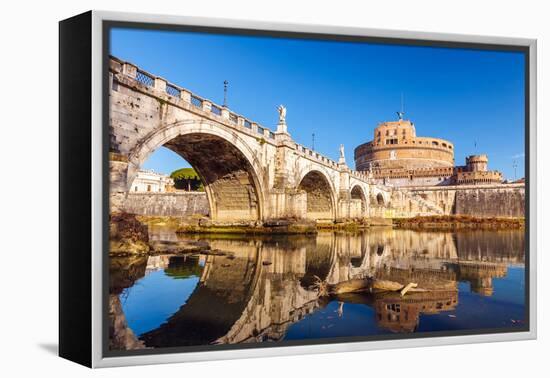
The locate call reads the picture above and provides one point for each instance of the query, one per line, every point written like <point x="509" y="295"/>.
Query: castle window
<point x="434" y="143"/>
<point x="148" y="188"/>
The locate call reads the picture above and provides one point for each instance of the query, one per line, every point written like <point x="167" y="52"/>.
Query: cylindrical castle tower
<point x="477" y="163"/>
<point x="396" y="147"/>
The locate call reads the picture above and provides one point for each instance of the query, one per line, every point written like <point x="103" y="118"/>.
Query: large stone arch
<point x="379" y="197"/>
<point x="321" y="197"/>
<point x="357" y="192"/>
<point x="228" y="166"/>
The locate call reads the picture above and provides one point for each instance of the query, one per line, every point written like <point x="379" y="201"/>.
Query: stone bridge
<point x="250" y="172"/>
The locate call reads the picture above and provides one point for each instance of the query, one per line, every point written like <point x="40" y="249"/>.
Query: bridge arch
<point x="230" y="171"/>
<point x="380" y="199"/>
<point x="357" y="192"/>
<point x="320" y="195"/>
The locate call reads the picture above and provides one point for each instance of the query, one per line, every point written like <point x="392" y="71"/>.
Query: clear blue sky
<point x="341" y="91"/>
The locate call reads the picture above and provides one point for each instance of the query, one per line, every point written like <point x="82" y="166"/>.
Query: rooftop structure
<point x="150" y="181"/>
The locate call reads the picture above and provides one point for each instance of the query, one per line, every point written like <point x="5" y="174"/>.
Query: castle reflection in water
<point x="256" y="289"/>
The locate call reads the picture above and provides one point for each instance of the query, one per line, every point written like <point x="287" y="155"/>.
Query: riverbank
<point x="458" y="222"/>
<point x="129" y="234"/>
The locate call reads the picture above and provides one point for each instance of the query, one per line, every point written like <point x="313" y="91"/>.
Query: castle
<point x="396" y="156"/>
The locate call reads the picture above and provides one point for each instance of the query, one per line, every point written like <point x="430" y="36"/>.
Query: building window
<point x="135" y="188"/>
<point x="148" y="188"/>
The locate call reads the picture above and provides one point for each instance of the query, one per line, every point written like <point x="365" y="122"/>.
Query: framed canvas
<point x="232" y="189"/>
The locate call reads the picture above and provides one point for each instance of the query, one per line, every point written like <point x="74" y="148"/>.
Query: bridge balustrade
<point x="173" y="91"/>
<point x="145" y="78"/>
<point x="196" y="101"/>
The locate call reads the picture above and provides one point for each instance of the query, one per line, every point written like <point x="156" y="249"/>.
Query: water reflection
<point x="261" y="289"/>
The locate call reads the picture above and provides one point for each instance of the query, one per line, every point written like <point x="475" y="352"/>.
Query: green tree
<point x="187" y="179"/>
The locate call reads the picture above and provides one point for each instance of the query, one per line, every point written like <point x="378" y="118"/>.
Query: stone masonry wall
<point x="500" y="200"/>
<point x="167" y="204"/>
<point x="491" y="203"/>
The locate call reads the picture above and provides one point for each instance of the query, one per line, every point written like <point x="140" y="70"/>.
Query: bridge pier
<point x="118" y="170"/>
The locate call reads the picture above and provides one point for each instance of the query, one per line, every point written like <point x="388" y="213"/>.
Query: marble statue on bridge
<point x="282" y="114"/>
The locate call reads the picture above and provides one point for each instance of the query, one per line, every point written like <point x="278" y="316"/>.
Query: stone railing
<point x="361" y="175"/>
<point x="313" y="155"/>
<point x="384" y="188"/>
<point x="177" y="93"/>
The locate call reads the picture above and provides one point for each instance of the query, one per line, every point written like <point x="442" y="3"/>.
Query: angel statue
<point x="342" y="156"/>
<point x="282" y="114"/>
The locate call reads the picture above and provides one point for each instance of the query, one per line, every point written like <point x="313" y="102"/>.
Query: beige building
<point x="397" y="156"/>
<point x="149" y="181"/>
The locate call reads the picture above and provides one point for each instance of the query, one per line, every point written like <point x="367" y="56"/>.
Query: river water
<point x="239" y="289"/>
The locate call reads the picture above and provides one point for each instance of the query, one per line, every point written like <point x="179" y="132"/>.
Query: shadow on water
<point x="257" y="289"/>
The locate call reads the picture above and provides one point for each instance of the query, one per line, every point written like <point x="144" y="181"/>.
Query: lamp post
<point x="225" y="84"/>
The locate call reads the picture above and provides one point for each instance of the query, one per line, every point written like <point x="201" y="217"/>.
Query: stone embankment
<point x="278" y="226"/>
<point x="173" y="204"/>
<point x="458" y="222"/>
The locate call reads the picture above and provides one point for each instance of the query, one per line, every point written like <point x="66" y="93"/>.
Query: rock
<point x="127" y="235"/>
<point x="121" y="337"/>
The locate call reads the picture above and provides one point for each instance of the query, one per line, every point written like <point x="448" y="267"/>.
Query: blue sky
<point x="341" y="90"/>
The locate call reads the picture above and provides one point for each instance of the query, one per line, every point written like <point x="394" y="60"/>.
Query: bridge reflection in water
<point x="247" y="289"/>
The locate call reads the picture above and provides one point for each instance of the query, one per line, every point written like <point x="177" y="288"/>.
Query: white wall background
<point x="28" y="157"/>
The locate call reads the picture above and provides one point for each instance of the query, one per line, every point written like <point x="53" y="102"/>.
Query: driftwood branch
<point x="364" y="284"/>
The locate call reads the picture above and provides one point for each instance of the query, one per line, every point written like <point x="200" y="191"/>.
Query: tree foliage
<point x="187" y="179"/>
